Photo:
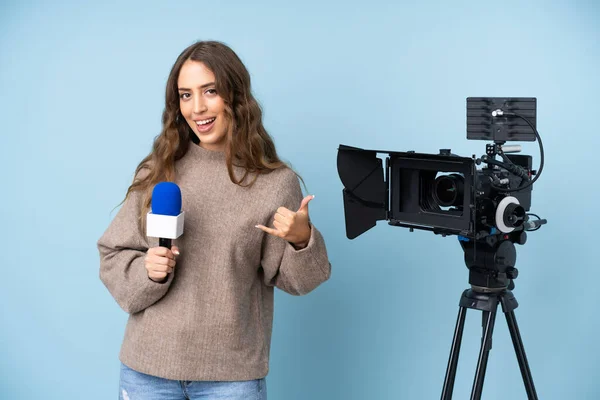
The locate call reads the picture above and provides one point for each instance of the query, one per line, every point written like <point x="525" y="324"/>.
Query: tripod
<point x="492" y="281"/>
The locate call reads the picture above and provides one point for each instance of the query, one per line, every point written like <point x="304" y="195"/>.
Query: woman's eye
<point x="211" y="91"/>
<point x="184" y="96"/>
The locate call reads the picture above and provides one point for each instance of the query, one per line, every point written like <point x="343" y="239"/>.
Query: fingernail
<point x="176" y="252"/>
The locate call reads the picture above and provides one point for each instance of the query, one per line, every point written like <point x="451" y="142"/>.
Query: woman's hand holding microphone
<point x="160" y="261"/>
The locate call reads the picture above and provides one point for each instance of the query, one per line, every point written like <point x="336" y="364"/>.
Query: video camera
<point x="447" y="194"/>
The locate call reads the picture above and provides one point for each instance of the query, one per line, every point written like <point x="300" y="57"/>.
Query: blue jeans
<point x="135" y="385"/>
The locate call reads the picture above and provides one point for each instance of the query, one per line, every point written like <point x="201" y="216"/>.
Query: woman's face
<point x="201" y="105"/>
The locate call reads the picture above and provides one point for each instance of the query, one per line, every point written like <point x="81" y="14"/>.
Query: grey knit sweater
<point x="212" y="319"/>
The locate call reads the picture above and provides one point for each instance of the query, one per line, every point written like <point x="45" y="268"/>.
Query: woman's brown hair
<point x="248" y="143"/>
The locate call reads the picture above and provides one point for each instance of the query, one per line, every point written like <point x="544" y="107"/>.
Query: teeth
<point x="205" y="121"/>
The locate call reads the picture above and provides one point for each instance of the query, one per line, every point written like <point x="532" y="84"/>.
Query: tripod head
<point x="491" y="262"/>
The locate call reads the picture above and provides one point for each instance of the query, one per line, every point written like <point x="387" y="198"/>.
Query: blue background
<point x="82" y="91"/>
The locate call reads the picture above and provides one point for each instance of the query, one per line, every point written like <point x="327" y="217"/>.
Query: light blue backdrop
<point x="81" y="95"/>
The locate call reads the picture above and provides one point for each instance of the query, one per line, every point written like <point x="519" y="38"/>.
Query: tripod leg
<point x="484" y="354"/>
<point x="454" y="352"/>
<point x="484" y="317"/>
<point x="520" y="350"/>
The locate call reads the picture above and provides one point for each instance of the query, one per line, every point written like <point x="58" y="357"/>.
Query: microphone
<point x="165" y="220"/>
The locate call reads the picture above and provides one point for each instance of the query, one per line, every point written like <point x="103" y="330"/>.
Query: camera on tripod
<point x="487" y="209"/>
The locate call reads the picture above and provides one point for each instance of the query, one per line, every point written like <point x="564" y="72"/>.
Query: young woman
<point x="201" y="312"/>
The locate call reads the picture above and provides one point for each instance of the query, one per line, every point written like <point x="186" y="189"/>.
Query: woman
<point x="201" y="312"/>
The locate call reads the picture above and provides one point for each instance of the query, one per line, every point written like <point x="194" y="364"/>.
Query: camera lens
<point x="448" y="190"/>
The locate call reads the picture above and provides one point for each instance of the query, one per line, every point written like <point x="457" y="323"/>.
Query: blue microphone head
<point x="166" y="199"/>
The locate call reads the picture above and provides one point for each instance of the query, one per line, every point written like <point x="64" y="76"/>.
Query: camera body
<point x="447" y="194"/>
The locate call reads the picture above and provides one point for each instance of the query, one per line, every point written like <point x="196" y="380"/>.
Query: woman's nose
<point x="199" y="105"/>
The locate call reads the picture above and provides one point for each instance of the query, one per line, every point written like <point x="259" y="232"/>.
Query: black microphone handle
<point x="162" y="242"/>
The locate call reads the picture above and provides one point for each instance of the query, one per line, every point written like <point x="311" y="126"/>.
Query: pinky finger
<point x="157" y="275"/>
<point x="268" y="230"/>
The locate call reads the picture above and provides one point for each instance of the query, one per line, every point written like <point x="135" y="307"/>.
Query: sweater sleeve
<point x="297" y="272"/>
<point x="123" y="250"/>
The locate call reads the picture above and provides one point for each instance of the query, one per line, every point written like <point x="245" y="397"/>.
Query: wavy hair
<point x="248" y="145"/>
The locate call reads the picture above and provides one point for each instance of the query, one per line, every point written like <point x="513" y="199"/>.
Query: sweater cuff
<point x="314" y="250"/>
<point x="305" y="269"/>
<point x="147" y="291"/>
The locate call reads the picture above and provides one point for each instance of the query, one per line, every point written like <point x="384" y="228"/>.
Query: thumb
<point x="304" y="204"/>
<point x="175" y="250"/>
